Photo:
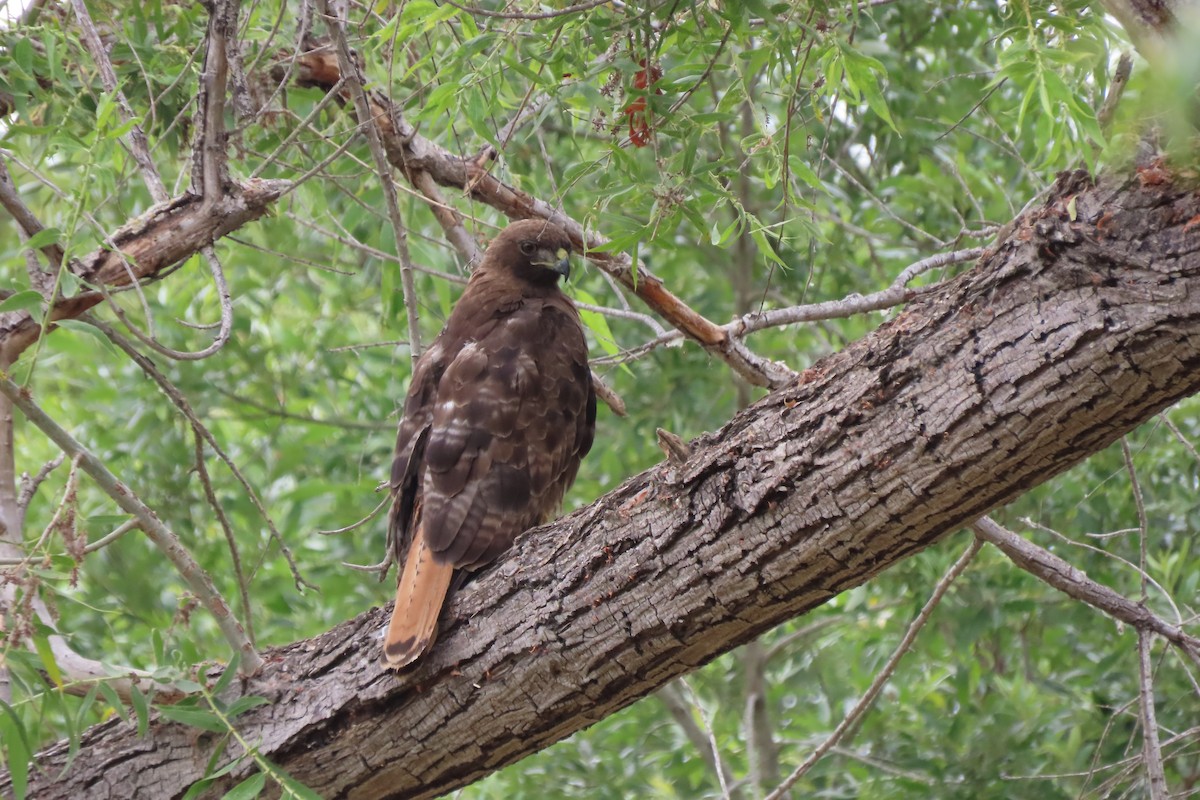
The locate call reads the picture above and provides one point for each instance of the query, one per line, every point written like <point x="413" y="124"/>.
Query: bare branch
<point x="877" y="684"/>
<point x="1143" y="524"/>
<point x="165" y="235"/>
<point x="29" y="486"/>
<point x="26" y="221"/>
<point x="135" y="141"/>
<point x="450" y="220"/>
<point x="235" y="555"/>
<point x="224" y="298"/>
<point x="897" y="293"/>
<point x="348" y="70"/>
<point x="561" y="12"/>
<point x="162" y="536"/>
<point x="201" y="431"/>
<point x="762" y="750"/>
<point x="1151" y="749"/>
<point x="210" y="168"/>
<point x="1116" y="89"/>
<point x="671" y="696"/>
<point x="1075" y="583"/>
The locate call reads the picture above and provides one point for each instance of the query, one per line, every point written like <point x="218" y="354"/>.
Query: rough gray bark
<point x="1081" y="324"/>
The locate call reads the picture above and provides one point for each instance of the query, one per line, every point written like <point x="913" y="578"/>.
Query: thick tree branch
<point x="1064" y="337"/>
<point x="162" y="237"/>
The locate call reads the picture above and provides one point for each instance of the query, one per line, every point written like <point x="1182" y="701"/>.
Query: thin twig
<point x="135" y="140"/>
<point x="1183" y="440"/>
<point x="1151" y="749"/>
<point x="680" y="710"/>
<point x="1139" y="503"/>
<point x="348" y="70"/>
<point x="29" y="486"/>
<point x="1075" y="583"/>
<point x="225" y="326"/>
<point x="877" y="684"/>
<point x="722" y="770"/>
<point x="180" y="402"/>
<point x="163" y="537"/>
<point x="235" y="555"/>
<point x="562" y="12"/>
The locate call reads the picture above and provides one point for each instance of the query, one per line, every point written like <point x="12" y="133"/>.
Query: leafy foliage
<point x="789" y="153"/>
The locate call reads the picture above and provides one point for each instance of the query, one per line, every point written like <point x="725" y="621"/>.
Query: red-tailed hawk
<point x="499" y="413"/>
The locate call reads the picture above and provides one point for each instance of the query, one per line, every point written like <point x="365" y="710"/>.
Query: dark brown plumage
<point x="498" y="415"/>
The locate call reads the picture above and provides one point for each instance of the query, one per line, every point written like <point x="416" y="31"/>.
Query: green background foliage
<point x="799" y="152"/>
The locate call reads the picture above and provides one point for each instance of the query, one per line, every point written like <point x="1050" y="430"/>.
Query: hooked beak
<point x="559" y="261"/>
<point x="563" y="267"/>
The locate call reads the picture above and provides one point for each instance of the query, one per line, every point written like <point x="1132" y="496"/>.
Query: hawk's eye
<point x="527" y="248"/>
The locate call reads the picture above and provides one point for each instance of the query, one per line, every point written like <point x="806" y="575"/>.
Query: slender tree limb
<point x="895" y="294"/>
<point x="25" y="219"/>
<point x="348" y="69"/>
<point x="885" y="674"/>
<point x="201" y="431"/>
<point x="135" y="140"/>
<point x="1075" y="583"/>
<point x="761" y="748"/>
<point x="710" y="737"/>
<point x="157" y="240"/>
<point x="671" y="696"/>
<point x="210" y="167"/>
<point x="1151" y="749"/>
<point x="29" y="486"/>
<point x="235" y="555"/>
<point x="225" y="325"/>
<point x="1116" y="90"/>
<point x="450" y="220"/>
<point x="158" y="533"/>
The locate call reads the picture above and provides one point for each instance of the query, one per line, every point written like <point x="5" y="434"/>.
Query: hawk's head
<point x="532" y="250"/>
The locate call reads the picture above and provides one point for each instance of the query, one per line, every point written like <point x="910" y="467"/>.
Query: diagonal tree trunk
<point x="1077" y="327"/>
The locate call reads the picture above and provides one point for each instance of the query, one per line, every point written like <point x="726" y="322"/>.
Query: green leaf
<point x="87" y="329"/>
<point x="597" y="324"/>
<point x="227" y="676"/>
<point x="244" y="704"/>
<point x="16" y="744"/>
<point x="41" y="644"/>
<point x="141" y="707"/>
<point x="113" y="699"/>
<point x="44" y="237"/>
<point x="862" y="73"/>
<point x="195" y="717"/>
<point x="27" y="300"/>
<point x="198" y="788"/>
<point x="291" y="787"/>
<point x="248" y="789"/>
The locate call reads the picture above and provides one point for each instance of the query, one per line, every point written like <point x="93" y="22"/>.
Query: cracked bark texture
<point x="1081" y="324"/>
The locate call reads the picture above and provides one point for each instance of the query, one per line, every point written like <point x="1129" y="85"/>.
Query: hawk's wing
<point x="514" y="415"/>
<point x="489" y="443"/>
